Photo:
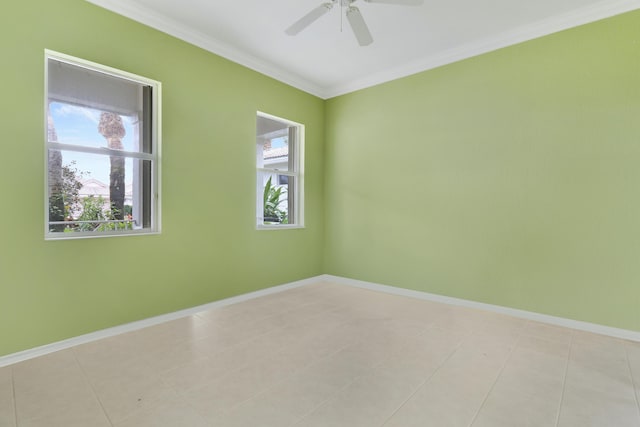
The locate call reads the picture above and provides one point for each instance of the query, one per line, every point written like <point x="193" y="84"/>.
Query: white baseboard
<point x="133" y="326"/>
<point x="31" y="353"/>
<point x="529" y="315"/>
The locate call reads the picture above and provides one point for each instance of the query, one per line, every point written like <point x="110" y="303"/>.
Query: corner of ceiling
<point x="554" y="24"/>
<point x="601" y="10"/>
<point x="176" y="29"/>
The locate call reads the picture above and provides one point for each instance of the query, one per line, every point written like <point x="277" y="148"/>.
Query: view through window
<point x="279" y="160"/>
<point x="102" y="150"/>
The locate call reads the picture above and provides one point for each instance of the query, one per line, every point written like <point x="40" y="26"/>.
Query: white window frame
<point x="154" y="157"/>
<point x="297" y="174"/>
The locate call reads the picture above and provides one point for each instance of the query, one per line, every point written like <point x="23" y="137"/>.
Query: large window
<point x="102" y="150"/>
<point x="279" y="160"/>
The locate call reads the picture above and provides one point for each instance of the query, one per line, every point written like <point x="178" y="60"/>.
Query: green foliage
<point x="67" y="198"/>
<point x="273" y="213"/>
<point x="93" y="210"/>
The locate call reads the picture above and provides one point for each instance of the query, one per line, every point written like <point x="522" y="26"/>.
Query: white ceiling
<point x="325" y="58"/>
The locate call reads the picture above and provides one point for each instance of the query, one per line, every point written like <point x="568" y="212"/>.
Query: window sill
<point x="92" y="235"/>
<point x="279" y="227"/>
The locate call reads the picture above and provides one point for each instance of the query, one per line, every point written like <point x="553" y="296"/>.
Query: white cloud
<point x="66" y="110"/>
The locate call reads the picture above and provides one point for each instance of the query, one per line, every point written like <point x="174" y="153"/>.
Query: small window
<point x="102" y="150"/>
<point x="279" y="159"/>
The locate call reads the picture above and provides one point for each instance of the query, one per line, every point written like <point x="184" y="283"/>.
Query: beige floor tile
<point x="167" y="413"/>
<point x="633" y="354"/>
<point x="368" y="401"/>
<point x="175" y="332"/>
<point x="599" y="363"/>
<point x="593" y="349"/>
<point x="115" y="356"/>
<point x="335" y="371"/>
<point x="512" y="408"/>
<point x="528" y="392"/>
<point x="533" y="372"/>
<point x="197" y="373"/>
<point x="51" y="385"/>
<point x="285" y="403"/>
<point x="70" y="417"/>
<point x="157" y="362"/>
<point x="547" y="332"/>
<point x="440" y="403"/>
<point x="116" y="349"/>
<point x="200" y="372"/>
<point x="228" y="391"/>
<point x="507" y="333"/>
<point x="532" y="382"/>
<point x="370" y="354"/>
<point x="7" y="404"/>
<point x="124" y="396"/>
<point x="461" y="319"/>
<point x="62" y="398"/>
<point x="420" y="358"/>
<point x="588" y="407"/>
<point x="551" y="347"/>
<point x="239" y="330"/>
<point x="455" y="393"/>
<point x="67" y="396"/>
<point x="615" y="379"/>
<point x="332" y="355"/>
<point x="46" y="371"/>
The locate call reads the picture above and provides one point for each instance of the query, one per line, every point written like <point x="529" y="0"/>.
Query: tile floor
<point x="331" y="355"/>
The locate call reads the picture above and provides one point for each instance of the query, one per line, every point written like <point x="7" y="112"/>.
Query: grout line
<point x="373" y="369"/>
<point x="302" y="370"/>
<point x="633" y="381"/>
<point x="324" y="402"/>
<point x="426" y="380"/>
<point x="13" y="391"/>
<point x="564" y="382"/>
<point x="504" y="364"/>
<point x="88" y="380"/>
<point x="295" y="372"/>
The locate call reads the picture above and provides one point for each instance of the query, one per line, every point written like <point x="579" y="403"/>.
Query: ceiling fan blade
<point x="359" y="27"/>
<point x="308" y="19"/>
<point x="398" y="2"/>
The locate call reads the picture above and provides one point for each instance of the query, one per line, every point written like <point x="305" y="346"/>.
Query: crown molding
<point x="554" y="24"/>
<point x="602" y="10"/>
<point x="176" y="29"/>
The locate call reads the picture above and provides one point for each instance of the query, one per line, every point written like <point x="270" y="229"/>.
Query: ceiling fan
<point x="359" y="27"/>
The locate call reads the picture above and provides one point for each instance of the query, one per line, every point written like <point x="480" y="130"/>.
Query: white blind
<point x="82" y="86"/>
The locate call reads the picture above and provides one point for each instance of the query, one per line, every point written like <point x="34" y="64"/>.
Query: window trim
<point x="298" y="174"/>
<point x="155" y="156"/>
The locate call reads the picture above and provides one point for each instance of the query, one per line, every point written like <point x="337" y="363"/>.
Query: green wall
<point x="209" y="248"/>
<point x="511" y="178"/>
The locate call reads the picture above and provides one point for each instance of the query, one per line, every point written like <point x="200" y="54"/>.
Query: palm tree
<point x="112" y="129"/>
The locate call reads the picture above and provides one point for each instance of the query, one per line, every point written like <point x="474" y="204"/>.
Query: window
<point x="279" y="160"/>
<point x="102" y="150"/>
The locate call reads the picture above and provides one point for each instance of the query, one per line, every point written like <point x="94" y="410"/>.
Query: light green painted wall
<point x="209" y="248"/>
<point x="512" y="178"/>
